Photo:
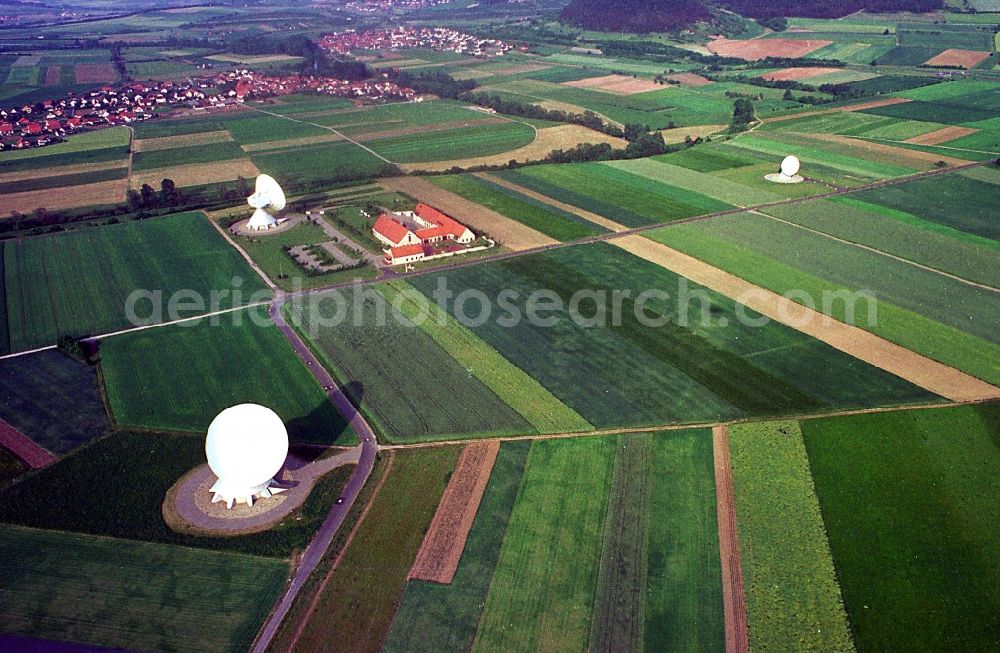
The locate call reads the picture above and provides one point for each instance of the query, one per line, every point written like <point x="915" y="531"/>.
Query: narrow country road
<point x="338" y="512"/>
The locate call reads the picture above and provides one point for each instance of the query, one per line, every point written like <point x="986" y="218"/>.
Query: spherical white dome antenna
<point x="267" y="194"/>
<point x="246" y="446"/>
<point x="790" y="166"/>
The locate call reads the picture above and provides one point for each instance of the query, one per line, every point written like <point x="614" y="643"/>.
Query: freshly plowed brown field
<point x="793" y="74"/>
<point x="95" y="73"/>
<point x="444" y="542"/>
<point x="956" y="57"/>
<point x="733" y="595"/>
<point x="756" y="49"/>
<point x="690" y="79"/>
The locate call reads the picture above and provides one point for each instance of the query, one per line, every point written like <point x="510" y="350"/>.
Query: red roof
<point x="406" y="250"/>
<point x="445" y="225"/>
<point x="53" y="125"/>
<point x="389" y="228"/>
<point x="6" y="128"/>
<point x="33" y="128"/>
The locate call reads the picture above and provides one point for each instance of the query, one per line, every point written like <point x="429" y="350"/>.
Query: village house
<point x="410" y="235"/>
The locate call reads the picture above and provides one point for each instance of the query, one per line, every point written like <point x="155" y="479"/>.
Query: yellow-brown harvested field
<point x="182" y="140"/>
<point x="196" y="173"/>
<point x="547" y="139"/>
<point x="942" y="135"/>
<point x="462" y="75"/>
<point x="618" y="84"/>
<point x="555" y="105"/>
<point x="511" y="234"/>
<point x="919" y="370"/>
<point x="795" y="74"/>
<point x="695" y="131"/>
<point x="67" y="197"/>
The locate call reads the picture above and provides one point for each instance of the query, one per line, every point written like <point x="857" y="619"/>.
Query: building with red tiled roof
<point x="440" y="226"/>
<point x="409" y="235"/>
<point x="405" y="254"/>
<point x="392" y="232"/>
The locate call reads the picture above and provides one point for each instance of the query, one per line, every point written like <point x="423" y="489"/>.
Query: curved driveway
<point x="338" y="512"/>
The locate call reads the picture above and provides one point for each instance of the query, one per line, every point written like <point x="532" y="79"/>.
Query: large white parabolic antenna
<point x="789" y="171"/>
<point x="267" y="194"/>
<point x="246" y="446"/>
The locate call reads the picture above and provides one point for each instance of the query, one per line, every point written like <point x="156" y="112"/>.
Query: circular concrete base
<point x="779" y="178"/>
<point x="240" y="228"/>
<point x="188" y="506"/>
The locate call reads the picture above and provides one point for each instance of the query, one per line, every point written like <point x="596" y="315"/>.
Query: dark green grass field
<point x="134" y="471"/>
<point x="912" y="509"/>
<point x="180" y="377"/>
<point x="908" y="55"/>
<point x="305" y="165"/>
<point x="549" y="220"/>
<point x="433" y="617"/>
<point x="52" y="160"/>
<point x="52" y="399"/>
<point x="78" y="283"/>
<point x="634" y="374"/>
<point x="133" y="595"/>
<point x="177" y="156"/>
<point x="404" y="382"/>
<point x="955" y="201"/>
<point x="933" y="112"/>
<point x="355" y="609"/>
<point x="447" y="144"/>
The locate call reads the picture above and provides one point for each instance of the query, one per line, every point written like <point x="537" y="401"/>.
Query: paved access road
<point x="338" y="512"/>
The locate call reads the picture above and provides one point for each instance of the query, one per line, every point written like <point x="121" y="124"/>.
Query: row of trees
<point x="148" y="198"/>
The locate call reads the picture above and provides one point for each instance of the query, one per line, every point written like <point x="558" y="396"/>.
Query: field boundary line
<point x="875" y="350"/>
<point x="27" y="352"/>
<point x="144" y="327"/>
<point x="734" y="605"/>
<point x="329" y="129"/>
<point x="24" y="448"/>
<point x="340" y="555"/>
<point x="879" y="251"/>
<point x="246" y="257"/>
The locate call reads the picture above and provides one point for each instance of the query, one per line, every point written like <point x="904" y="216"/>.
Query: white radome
<point x="790" y="166"/>
<point x="246" y="446"/>
<point x="267" y="194"/>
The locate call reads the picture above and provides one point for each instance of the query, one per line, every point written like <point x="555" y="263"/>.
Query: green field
<point x="78" y="282"/>
<point x="792" y="596"/>
<point x="447" y="144"/>
<point x="320" y="164"/>
<point x="939" y="317"/>
<point x="910" y="504"/>
<point x="180" y="377"/>
<point x="357" y="605"/>
<point x="133" y="595"/>
<point x="114" y="138"/>
<point x="52" y="399"/>
<point x="681" y="369"/>
<point x="403" y="381"/>
<point x="433" y="617"/>
<point x="547" y="570"/>
<point x="718" y="188"/>
<point x="177" y="156"/>
<point x="135" y="470"/>
<point x="529" y="398"/>
<point x="58" y="181"/>
<point x="628" y="199"/>
<point x="541" y="217"/>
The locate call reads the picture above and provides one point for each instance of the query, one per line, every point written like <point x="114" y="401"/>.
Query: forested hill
<point x="642" y="16"/>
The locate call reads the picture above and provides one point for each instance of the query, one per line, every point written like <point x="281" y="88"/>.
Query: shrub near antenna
<point x="267" y="194"/>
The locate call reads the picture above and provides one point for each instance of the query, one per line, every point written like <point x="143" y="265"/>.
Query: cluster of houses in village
<point x="441" y="39"/>
<point x="422" y="234"/>
<point x="382" y="6"/>
<point x="49" y="121"/>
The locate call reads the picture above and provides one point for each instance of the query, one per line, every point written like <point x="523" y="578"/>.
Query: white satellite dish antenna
<point x="268" y="194"/>
<point x="246" y="446"/>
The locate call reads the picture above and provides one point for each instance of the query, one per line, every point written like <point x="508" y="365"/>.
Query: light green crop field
<point x="180" y="377"/>
<point x="793" y="599"/>
<point x="912" y="509"/>
<point x="447" y="144"/>
<point x="79" y="282"/>
<point x="133" y="595"/>
<point x="931" y="327"/>
<point x="547" y="571"/>
<point x="94" y="140"/>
